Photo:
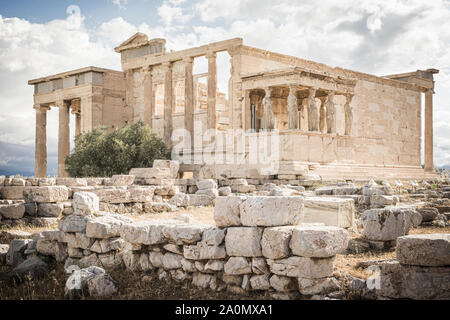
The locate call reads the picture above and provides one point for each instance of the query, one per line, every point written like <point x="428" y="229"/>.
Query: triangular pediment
<point x="136" y="40"/>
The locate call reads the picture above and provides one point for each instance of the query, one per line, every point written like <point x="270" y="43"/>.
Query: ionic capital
<point x="40" y="107"/>
<point x="188" y="60"/>
<point x="211" y="55"/>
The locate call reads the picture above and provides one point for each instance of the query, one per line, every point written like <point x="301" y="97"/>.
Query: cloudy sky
<point x="381" y="37"/>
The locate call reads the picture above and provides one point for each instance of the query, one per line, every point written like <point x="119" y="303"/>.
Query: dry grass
<point x="427" y="230"/>
<point x="131" y="287"/>
<point x="350" y="262"/>
<point x="200" y="214"/>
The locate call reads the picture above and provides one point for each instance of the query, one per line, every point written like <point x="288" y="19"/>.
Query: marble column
<point x="348" y="110"/>
<point x="189" y="102"/>
<point x="63" y="137"/>
<point x="41" y="141"/>
<point x="429" y="166"/>
<point x="313" y="121"/>
<point x="77" y="124"/>
<point x="292" y="109"/>
<point x="168" y="104"/>
<point x="331" y="113"/>
<point x="212" y="90"/>
<point x="86" y="114"/>
<point x="269" y="117"/>
<point x="148" y="96"/>
<point x="129" y="74"/>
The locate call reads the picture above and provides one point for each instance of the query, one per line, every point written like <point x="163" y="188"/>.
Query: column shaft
<point x="41" y="142"/>
<point x="148" y="97"/>
<point x="212" y="90"/>
<point x="429" y="131"/>
<point x="168" y="105"/>
<point x="77" y="124"/>
<point x="63" y="137"/>
<point x="189" y="103"/>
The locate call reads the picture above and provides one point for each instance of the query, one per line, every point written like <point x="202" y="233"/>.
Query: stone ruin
<point x="268" y="235"/>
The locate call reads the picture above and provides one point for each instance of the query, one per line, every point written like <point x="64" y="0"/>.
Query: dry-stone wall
<point x="251" y="248"/>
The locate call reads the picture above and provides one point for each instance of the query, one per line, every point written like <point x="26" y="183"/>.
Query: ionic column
<point x="212" y="90"/>
<point x="429" y="166"/>
<point x="63" y="137"/>
<point x="348" y="114"/>
<point x="86" y="114"/>
<point x="312" y="111"/>
<point x="168" y="104"/>
<point x="148" y="96"/>
<point x="269" y="117"/>
<point x="77" y="124"/>
<point x="292" y="108"/>
<point x="189" y="101"/>
<point x="40" y="153"/>
<point x="331" y="113"/>
<point x="129" y="87"/>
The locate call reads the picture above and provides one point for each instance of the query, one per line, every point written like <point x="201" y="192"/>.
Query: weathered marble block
<point x="398" y="281"/>
<point x="275" y="242"/>
<point x="338" y="212"/>
<point x="385" y="224"/>
<point x="431" y="250"/>
<point x="46" y="194"/>
<point x="318" y="241"/>
<point x="272" y="211"/>
<point x="227" y="211"/>
<point x="243" y="241"/>
<point x="302" y="267"/>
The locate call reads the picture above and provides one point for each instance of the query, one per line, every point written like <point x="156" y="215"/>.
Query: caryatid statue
<point x="292" y="109"/>
<point x="313" y="121"/>
<point x="348" y="110"/>
<point x="322" y="115"/>
<point x="331" y="113"/>
<point x="269" y="117"/>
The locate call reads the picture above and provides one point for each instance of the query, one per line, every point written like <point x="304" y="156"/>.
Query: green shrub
<point x="100" y="153"/>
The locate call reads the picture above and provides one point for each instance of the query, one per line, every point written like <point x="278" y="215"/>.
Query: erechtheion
<point x="330" y="122"/>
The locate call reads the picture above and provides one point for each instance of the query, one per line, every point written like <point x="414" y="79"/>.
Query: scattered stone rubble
<point x="270" y="235"/>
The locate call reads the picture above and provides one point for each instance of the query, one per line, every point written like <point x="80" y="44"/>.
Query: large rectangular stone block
<point x="318" y="241"/>
<point x="336" y="212"/>
<point x="46" y="194"/>
<point x="302" y="267"/>
<point x="385" y="224"/>
<point x="113" y="195"/>
<point x="272" y="211"/>
<point x="431" y="250"/>
<point x="399" y="281"/>
<point x="243" y="242"/>
<point x="12" y="193"/>
<point x="227" y="211"/>
<point x="275" y="242"/>
<point x="105" y="227"/>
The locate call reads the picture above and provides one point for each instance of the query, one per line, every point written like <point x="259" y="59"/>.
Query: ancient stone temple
<point x="329" y="122"/>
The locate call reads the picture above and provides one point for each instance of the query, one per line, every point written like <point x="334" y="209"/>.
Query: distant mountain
<point x="19" y="159"/>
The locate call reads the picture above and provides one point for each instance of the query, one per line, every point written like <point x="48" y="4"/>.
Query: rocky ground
<point x="431" y="199"/>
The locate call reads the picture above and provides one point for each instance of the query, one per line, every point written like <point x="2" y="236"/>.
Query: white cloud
<point x="381" y="37"/>
<point x="170" y="13"/>
<point x="120" y="3"/>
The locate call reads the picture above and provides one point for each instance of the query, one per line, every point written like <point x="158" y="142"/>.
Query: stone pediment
<point x="139" y="39"/>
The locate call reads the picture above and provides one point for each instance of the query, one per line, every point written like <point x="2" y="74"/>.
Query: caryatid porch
<point x="296" y="99"/>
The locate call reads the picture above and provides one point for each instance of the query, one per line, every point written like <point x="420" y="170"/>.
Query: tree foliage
<point x="100" y="153"/>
